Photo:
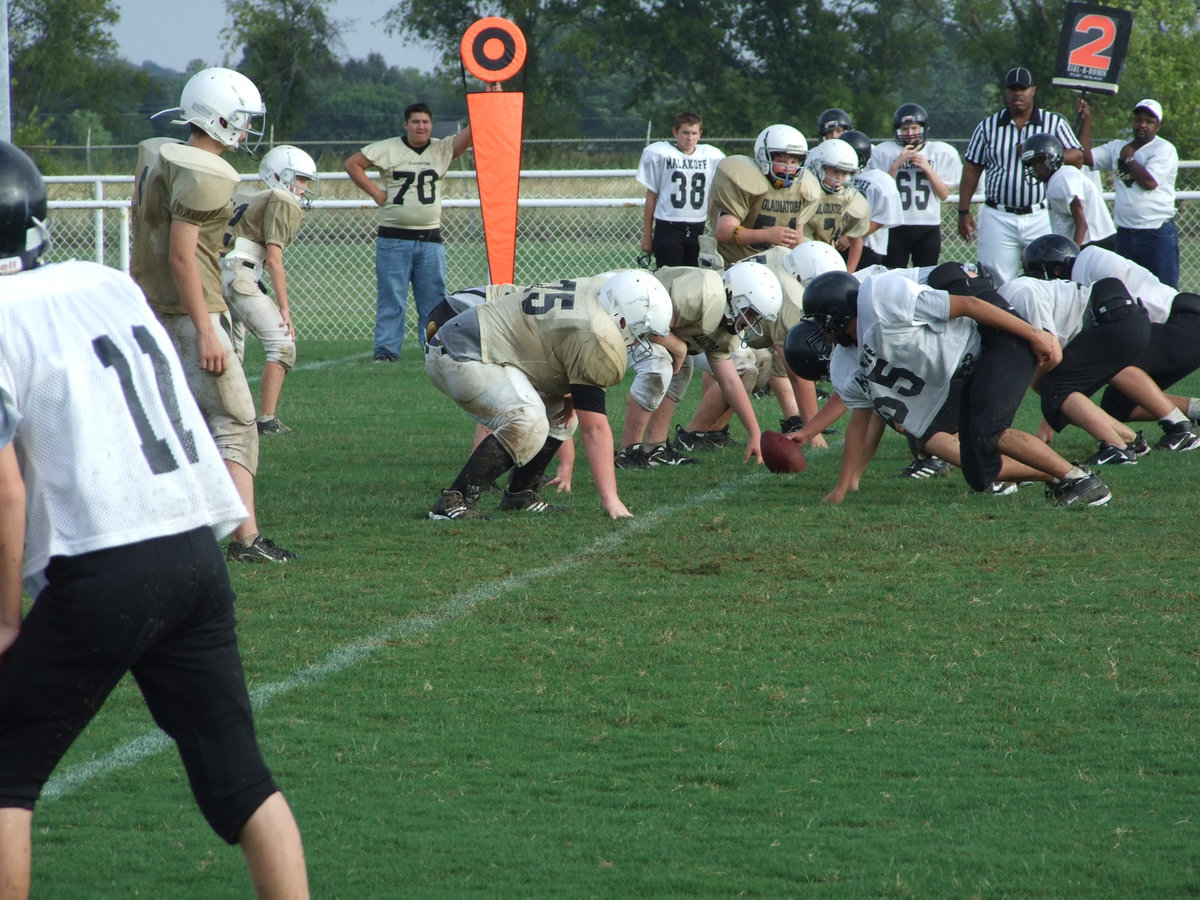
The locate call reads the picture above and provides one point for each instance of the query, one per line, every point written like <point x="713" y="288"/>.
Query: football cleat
<point x="1087" y="490"/>
<point x="453" y="505"/>
<point x="261" y="549"/>
<point x="1139" y="445"/>
<point x="272" y="426"/>
<point x="790" y="424"/>
<point x="635" y="456"/>
<point x="1178" y="438"/>
<point x="666" y="455"/>
<point x="929" y="467"/>
<point x="529" y="501"/>
<point x="1000" y="488"/>
<point x="1108" y="455"/>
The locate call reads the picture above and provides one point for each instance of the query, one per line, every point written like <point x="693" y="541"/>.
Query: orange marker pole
<point x="493" y="50"/>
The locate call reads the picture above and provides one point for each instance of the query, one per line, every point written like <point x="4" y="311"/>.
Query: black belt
<point x="429" y="235"/>
<point x="1017" y="210"/>
<point x="246" y="264"/>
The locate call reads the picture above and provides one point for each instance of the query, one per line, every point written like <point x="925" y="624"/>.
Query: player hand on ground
<point x="753" y="448"/>
<point x="818" y="442"/>
<point x="561" y="481"/>
<point x="617" y="510"/>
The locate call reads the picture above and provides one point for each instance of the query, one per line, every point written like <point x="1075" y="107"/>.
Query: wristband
<point x="964" y="212"/>
<point x="735" y="235"/>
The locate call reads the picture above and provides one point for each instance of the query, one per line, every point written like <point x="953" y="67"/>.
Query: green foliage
<point x="284" y="45"/>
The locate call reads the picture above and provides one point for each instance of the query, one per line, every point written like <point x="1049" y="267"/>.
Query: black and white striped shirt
<point x="996" y="147"/>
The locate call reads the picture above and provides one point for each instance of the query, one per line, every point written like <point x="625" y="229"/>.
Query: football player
<point x="712" y="314"/>
<point x="797" y="395"/>
<point x="528" y="364"/>
<point x="1174" y="348"/>
<point x="112" y="497"/>
<point x="882" y="197"/>
<point x="1077" y="211"/>
<point x="833" y="123"/>
<point x="677" y="177"/>
<point x="932" y="362"/>
<point x="925" y="172"/>
<point x="843" y="214"/>
<point x="181" y="206"/>
<point x="263" y="224"/>
<point x="1102" y="331"/>
<point x="765" y="201"/>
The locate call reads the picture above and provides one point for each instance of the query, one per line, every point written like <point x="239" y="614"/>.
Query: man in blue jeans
<point x="409" y="245"/>
<point x="1144" y="204"/>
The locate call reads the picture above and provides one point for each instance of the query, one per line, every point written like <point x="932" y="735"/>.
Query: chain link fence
<point x="571" y="223"/>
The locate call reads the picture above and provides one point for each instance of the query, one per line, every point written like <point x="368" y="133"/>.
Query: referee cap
<point x="1019" y="77"/>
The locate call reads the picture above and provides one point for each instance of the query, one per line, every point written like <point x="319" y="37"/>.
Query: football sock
<point x="489" y="461"/>
<point x="1174" y="417"/>
<point x="529" y="476"/>
<point x="1193" y="410"/>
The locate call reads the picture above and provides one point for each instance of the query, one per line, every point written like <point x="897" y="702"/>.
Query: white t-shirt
<point x="112" y="447"/>
<point x="1134" y="206"/>
<point x="1067" y="185"/>
<point x="680" y="180"/>
<point x="920" y="204"/>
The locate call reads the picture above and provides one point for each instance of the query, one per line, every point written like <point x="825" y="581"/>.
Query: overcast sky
<point x="173" y="34"/>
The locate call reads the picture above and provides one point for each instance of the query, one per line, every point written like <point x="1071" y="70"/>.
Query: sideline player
<point x="677" y="177"/>
<point x="112" y="496"/>
<point x="1077" y="211"/>
<point x="263" y="224"/>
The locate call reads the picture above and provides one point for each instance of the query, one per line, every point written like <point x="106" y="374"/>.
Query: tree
<point x="284" y="44"/>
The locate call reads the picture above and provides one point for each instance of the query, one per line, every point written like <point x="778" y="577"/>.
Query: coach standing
<point x="1144" y="204"/>
<point x="1014" y="209"/>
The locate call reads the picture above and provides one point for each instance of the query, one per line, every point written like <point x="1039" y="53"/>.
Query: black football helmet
<point x="807" y="350"/>
<point x="831" y="300"/>
<point x="1046" y="147"/>
<point x="909" y="114"/>
<point x="861" y="144"/>
<point x="1050" y="257"/>
<point x="23" y="235"/>
<point x="833" y="118"/>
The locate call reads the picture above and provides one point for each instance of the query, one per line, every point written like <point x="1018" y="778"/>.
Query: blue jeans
<point x="1156" y="249"/>
<point x="397" y="263"/>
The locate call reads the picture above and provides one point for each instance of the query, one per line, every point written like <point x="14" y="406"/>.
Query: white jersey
<point x="680" y="180"/>
<point x="920" y="204"/>
<point x="884" y="199"/>
<point x="112" y="447"/>
<point x="1067" y="185"/>
<point x="919" y="274"/>
<point x="1095" y="263"/>
<point x="910" y="349"/>
<point x="1136" y="207"/>
<point x="1055" y="306"/>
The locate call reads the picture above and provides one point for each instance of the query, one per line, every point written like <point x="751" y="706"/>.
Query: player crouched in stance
<point x="933" y="362"/>
<point x="511" y="362"/>
<point x="713" y="313"/>
<point x="112" y="497"/>
<point x="263" y="224"/>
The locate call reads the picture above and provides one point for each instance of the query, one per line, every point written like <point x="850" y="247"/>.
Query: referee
<point x="1014" y="209"/>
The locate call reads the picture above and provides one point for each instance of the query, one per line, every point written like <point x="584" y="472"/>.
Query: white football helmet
<point x="812" y="258"/>
<point x="752" y="287"/>
<point x="779" y="139"/>
<point x="639" y="304"/>
<point x="282" y="165"/>
<point x="224" y="104"/>
<point x="833" y="154"/>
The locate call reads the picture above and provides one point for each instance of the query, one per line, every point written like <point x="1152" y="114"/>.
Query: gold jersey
<point x="846" y="213"/>
<point x="741" y="190"/>
<point x="558" y="334"/>
<point x="792" y="310"/>
<point x="177" y="182"/>
<point x="700" y="304"/>
<point x="271" y="216"/>
<point x="412" y="179"/>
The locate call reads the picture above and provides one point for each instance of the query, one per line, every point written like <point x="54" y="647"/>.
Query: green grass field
<point x="741" y="692"/>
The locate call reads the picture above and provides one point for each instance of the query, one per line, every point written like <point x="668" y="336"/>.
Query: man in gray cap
<point x="1144" y="207"/>
<point x="1014" y="209"/>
